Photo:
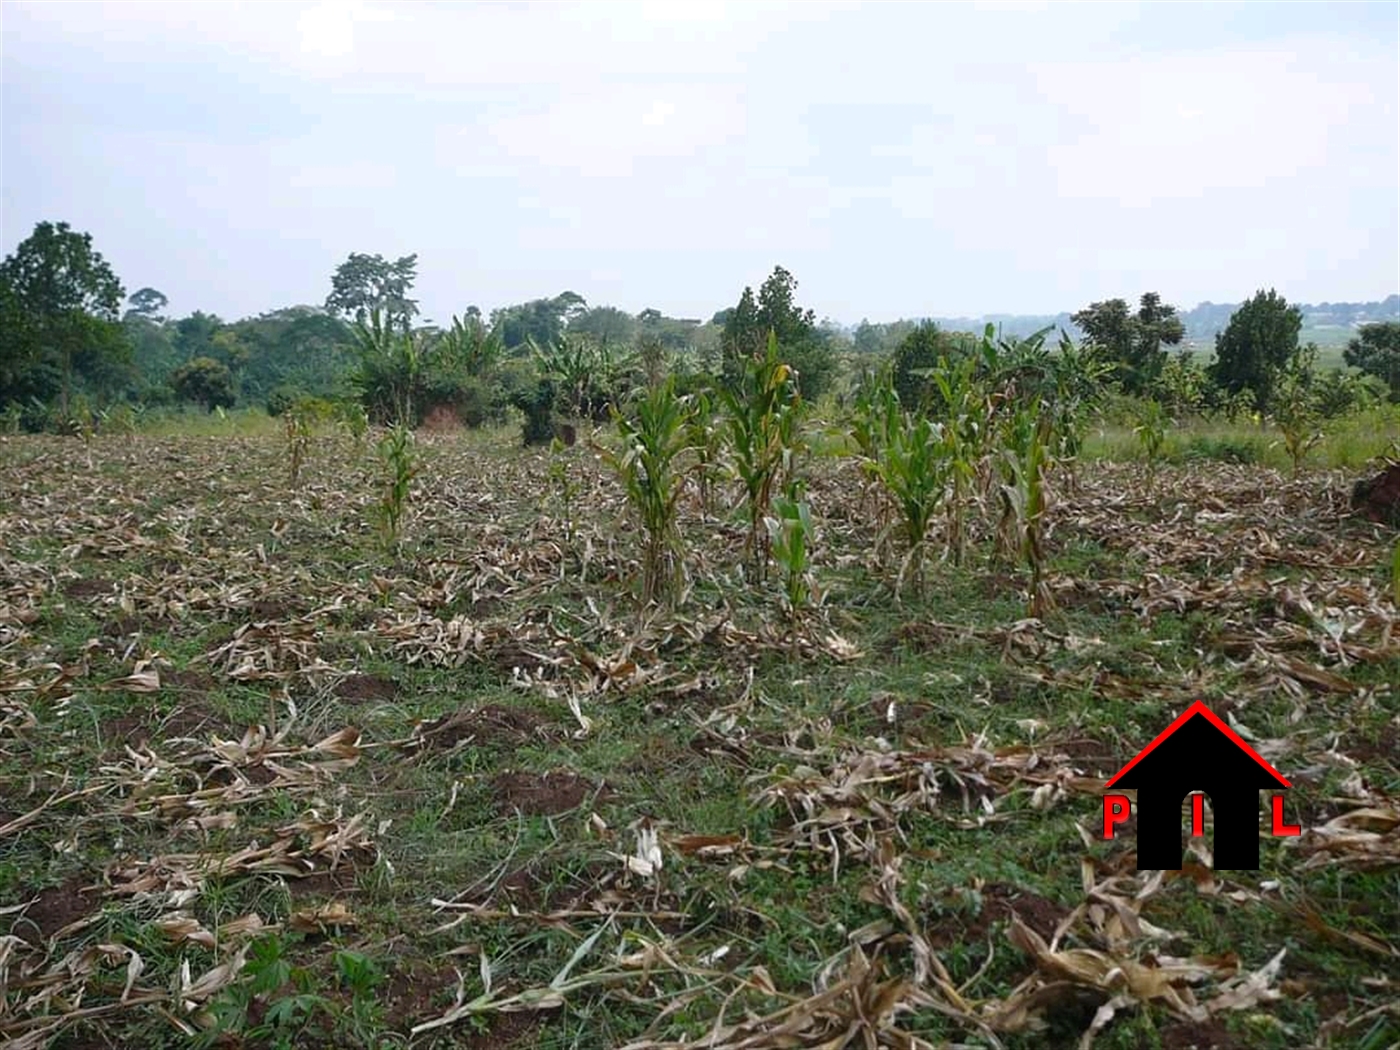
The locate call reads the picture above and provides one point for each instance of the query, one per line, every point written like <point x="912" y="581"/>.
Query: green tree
<point x="914" y="360"/>
<point x="801" y="344"/>
<point x="363" y="283"/>
<point x="1133" y="343"/>
<point x="1376" y="351"/>
<point x="605" y="324"/>
<point x="147" y="302"/>
<point x="541" y="321"/>
<point x="1256" y="345"/>
<point x="205" y="381"/>
<point x="68" y="299"/>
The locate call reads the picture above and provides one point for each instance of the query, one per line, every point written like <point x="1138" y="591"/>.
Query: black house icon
<point x="1198" y="752"/>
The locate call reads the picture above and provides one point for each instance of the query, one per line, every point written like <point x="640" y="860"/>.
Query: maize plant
<point x="703" y="435"/>
<point x="763" y="409"/>
<point x="296" y="422"/>
<point x="790" y="535"/>
<point x="875" y="418"/>
<point x="649" y="463"/>
<point x="1151" y="432"/>
<point x="914" y="469"/>
<point x="967" y="413"/>
<point x="1026" y="461"/>
<point x="396" y="451"/>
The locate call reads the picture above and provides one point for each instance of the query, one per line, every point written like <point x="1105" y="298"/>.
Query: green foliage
<point x="204" y="381"/>
<point x="801" y="344"/>
<point x="396" y="453"/>
<point x="364" y="285"/>
<point x="1151" y="431"/>
<point x="390" y="364"/>
<point x="1132" y="343"/>
<point x="282" y="398"/>
<point x="1376" y="351"/>
<point x="1296" y="411"/>
<point x="589" y="378"/>
<point x="1221" y="450"/>
<point x="1025" y="458"/>
<point x="59" y="303"/>
<point x="1256" y="345"/>
<point x="914" y="360"/>
<point x="536" y="402"/>
<point x="1182" y="387"/>
<point x="912" y="464"/>
<point x="790" y="534"/>
<point x="540" y="322"/>
<point x="763" y="409"/>
<point x="649" y="464"/>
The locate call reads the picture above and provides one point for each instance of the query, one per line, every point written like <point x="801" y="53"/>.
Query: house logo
<point x="1197" y="755"/>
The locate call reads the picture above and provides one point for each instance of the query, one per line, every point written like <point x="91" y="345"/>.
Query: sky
<point x="900" y="160"/>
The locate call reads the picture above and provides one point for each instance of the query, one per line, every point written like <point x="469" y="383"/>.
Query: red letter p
<point x="1115" y="811"/>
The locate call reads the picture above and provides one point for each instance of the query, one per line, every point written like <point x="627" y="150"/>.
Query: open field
<point x="264" y="784"/>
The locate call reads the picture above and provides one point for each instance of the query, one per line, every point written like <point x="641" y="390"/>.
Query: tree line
<point x="73" y="343"/>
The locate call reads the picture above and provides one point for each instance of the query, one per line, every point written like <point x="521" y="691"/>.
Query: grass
<point x="523" y="726"/>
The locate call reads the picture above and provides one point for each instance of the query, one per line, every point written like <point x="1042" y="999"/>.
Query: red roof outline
<point x="1199" y="708"/>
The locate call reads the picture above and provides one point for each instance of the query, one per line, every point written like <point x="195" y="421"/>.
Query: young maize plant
<point x="914" y="468"/>
<point x="1026" y="460"/>
<point x="650" y="465"/>
<point x="966" y="410"/>
<point x="396" y="451"/>
<point x="763" y="411"/>
<point x="1151" y="432"/>
<point x="703" y="435"/>
<point x="790" y="534"/>
<point x="874" y="419"/>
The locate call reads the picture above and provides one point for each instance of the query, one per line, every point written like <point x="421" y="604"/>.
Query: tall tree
<point x="1256" y="345"/>
<point x="147" y="302"/>
<point x="1132" y="342"/>
<point x="1376" y="351"/>
<point x="363" y="283"/>
<point x="69" y="300"/>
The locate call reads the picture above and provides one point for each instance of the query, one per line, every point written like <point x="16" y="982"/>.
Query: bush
<point x="282" y="398"/>
<point x="1222" y="450"/>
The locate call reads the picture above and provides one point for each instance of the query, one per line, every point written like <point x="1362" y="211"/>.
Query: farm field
<point x="264" y="783"/>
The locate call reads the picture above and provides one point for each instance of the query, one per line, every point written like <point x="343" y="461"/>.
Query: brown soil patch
<point x="539" y="795"/>
<point x="56" y="908"/>
<point x="1000" y="901"/>
<point x="1384" y="750"/>
<point x="510" y="654"/>
<point x="266" y="609"/>
<point x="507" y="1030"/>
<point x="88" y="587"/>
<point x="490" y="726"/>
<point x="440" y="419"/>
<point x="1208" y="1035"/>
<point x="413" y="992"/>
<point x="191" y="684"/>
<point x="337" y="883"/>
<point x="142" y="724"/>
<point x="366" y="688"/>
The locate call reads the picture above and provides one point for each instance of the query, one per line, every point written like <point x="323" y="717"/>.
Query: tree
<point x="1257" y="343"/>
<point x="1132" y="342"/>
<point x="801" y="344"/>
<point x="1376" y="351"/>
<point x="69" y="300"/>
<point x="541" y="321"/>
<point x="147" y="303"/>
<point x="363" y="283"/>
<point x="605" y="324"/>
<point x="918" y="353"/>
<point x="205" y="381"/>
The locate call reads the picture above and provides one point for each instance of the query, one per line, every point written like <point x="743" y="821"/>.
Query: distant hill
<point x="1327" y="324"/>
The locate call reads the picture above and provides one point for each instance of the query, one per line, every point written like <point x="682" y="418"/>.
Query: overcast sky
<point x="900" y="160"/>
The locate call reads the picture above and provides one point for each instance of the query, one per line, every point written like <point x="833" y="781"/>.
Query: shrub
<point x="1221" y="450"/>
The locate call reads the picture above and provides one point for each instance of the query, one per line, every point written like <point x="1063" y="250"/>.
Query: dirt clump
<point x="489" y="726"/>
<point x="87" y="587"/>
<point x="1205" y="1035"/>
<point x="537" y="795"/>
<point x="57" y="907"/>
<point x="1378" y="498"/>
<point x="366" y="688"/>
